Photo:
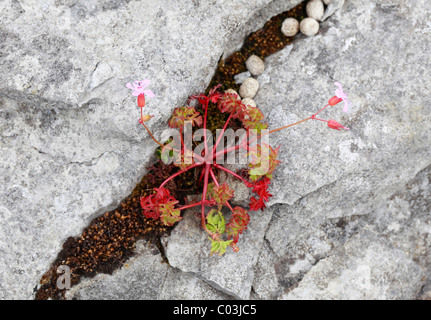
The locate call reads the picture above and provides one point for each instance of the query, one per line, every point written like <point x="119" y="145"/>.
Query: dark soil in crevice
<point x="110" y="239"/>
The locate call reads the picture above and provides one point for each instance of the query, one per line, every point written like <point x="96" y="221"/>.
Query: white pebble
<point x="309" y="27"/>
<point x="327" y="1"/>
<point x="232" y="91"/>
<point x="315" y="9"/>
<point x="249" y="88"/>
<point x="249" y="102"/>
<point x="255" y="65"/>
<point x="290" y="27"/>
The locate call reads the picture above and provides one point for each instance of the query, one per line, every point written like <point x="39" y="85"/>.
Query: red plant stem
<point x="320" y="119"/>
<point x="293" y="124"/>
<point x="204" y="196"/>
<point x="229" y="206"/>
<point x="205" y="128"/>
<point x="285" y="127"/>
<point x="230" y="172"/>
<point x="151" y="135"/>
<point x="236" y="147"/>
<point x="227" y="150"/>
<point x="179" y="173"/>
<point x="214" y="177"/>
<point x="191" y="205"/>
<point x="213" y="151"/>
<point x="320" y="110"/>
<point x="202" y="175"/>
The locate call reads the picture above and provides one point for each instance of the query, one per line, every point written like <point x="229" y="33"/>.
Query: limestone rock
<point x="240" y="77"/>
<point x="188" y="249"/>
<point x="365" y="268"/>
<point x="323" y="202"/>
<point x="71" y="147"/>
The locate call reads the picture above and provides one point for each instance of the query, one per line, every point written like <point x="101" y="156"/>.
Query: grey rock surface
<point x="300" y="236"/>
<point x="181" y="285"/>
<point x="388" y="116"/>
<point x="375" y="176"/>
<point x="141" y="278"/>
<point x="71" y="148"/>
<point x="354" y="272"/>
<point x="145" y="277"/>
<point x="188" y="250"/>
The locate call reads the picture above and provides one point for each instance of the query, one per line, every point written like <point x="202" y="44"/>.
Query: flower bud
<point x="234" y="248"/>
<point x="335" y="125"/>
<point x="141" y="100"/>
<point x="334" y="100"/>
<point x="145" y="118"/>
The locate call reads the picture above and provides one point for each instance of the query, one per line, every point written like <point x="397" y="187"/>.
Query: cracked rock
<point x="365" y="268"/>
<point x="141" y="278"/>
<point x="188" y="249"/>
<point x="338" y="203"/>
<point x="65" y="95"/>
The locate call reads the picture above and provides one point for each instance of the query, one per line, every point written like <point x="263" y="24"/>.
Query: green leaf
<point x="219" y="246"/>
<point x="168" y="214"/>
<point x="216" y="223"/>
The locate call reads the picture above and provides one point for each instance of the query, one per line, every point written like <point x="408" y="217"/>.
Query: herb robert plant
<point x="215" y="195"/>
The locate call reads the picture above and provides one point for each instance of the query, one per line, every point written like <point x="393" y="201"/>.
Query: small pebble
<point x="315" y="9"/>
<point x="327" y="1"/>
<point x="255" y="65"/>
<point x="249" y="102"/>
<point x="290" y="27"/>
<point x="233" y="91"/>
<point x="309" y="27"/>
<point x="249" y="88"/>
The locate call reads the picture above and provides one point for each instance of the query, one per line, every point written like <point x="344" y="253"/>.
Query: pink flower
<point x="138" y="88"/>
<point x="343" y="96"/>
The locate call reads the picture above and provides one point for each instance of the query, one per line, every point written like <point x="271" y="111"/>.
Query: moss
<point x="264" y="42"/>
